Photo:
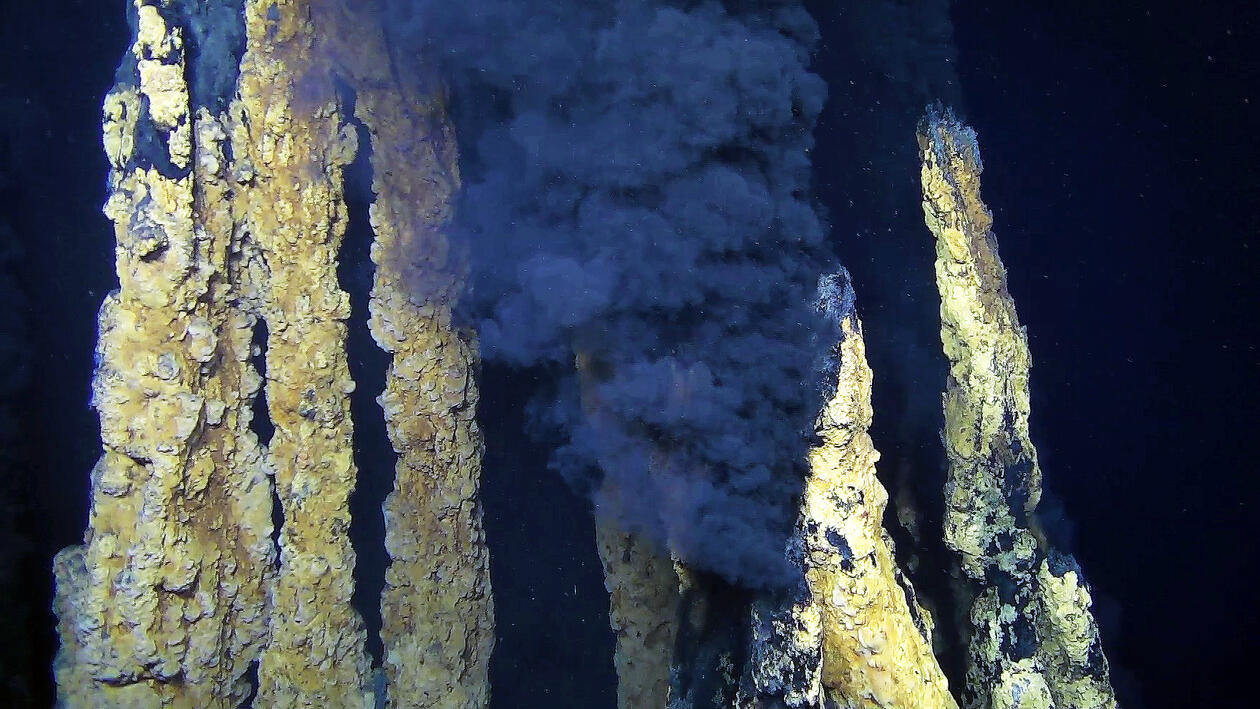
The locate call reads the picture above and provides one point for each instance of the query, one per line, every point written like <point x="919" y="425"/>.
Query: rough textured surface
<point x="224" y="220"/>
<point x="165" y="604"/>
<point x="643" y="583"/>
<point x="1071" y="647"/>
<point x="785" y="654"/>
<point x="438" y="614"/>
<point x="643" y="608"/>
<point x="1034" y="641"/>
<point x="876" y="643"/>
<point x="710" y="653"/>
<point x="852" y="633"/>
<point x="294" y="142"/>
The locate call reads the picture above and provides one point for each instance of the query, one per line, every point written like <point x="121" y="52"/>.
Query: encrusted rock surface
<point x="438" y="615"/>
<point x="226" y="194"/>
<point x="1034" y="641"/>
<point x="851" y="634"/>
<point x="785" y="654"/>
<point x="643" y="609"/>
<point x="643" y="580"/>
<point x="165" y="604"/>
<point x="295" y="142"/>
<point x="876" y="641"/>
<point x="226" y="197"/>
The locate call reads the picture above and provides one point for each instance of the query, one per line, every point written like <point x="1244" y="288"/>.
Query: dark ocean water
<point x="1121" y="166"/>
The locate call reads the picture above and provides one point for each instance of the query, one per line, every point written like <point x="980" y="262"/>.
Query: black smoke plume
<point x="636" y="213"/>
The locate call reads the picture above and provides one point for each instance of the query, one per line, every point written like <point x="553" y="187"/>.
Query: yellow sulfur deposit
<point x="1034" y="640"/>
<point x="295" y="142"/>
<point x="876" y="643"/>
<point x="438" y="585"/>
<point x="642" y="584"/>
<point x="165" y="605"/>
<point x="227" y="164"/>
<point x="855" y="637"/>
<point x="234" y="216"/>
<point x="643" y="609"/>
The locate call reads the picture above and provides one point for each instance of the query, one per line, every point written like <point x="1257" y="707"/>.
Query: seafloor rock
<point x="1034" y="641"/>
<point x="226" y="195"/>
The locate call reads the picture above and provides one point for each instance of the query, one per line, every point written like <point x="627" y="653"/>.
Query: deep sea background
<point x="1121" y="158"/>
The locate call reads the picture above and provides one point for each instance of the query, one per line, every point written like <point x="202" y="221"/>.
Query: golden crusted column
<point x="240" y="217"/>
<point x="165" y="604"/>
<point x="852" y="634"/>
<point x="643" y="609"/>
<point x="876" y="642"/>
<point x="642" y="581"/>
<point x="1034" y="641"/>
<point x="438" y="615"/>
<point x="293" y="144"/>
